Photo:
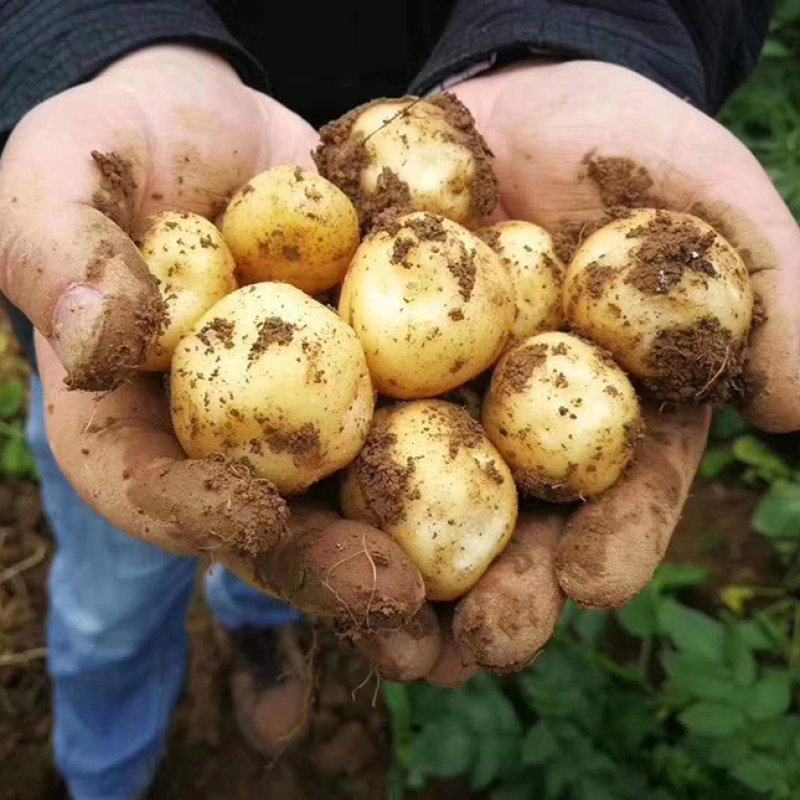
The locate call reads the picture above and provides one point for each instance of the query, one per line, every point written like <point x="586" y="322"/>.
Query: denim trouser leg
<point x="116" y="636"/>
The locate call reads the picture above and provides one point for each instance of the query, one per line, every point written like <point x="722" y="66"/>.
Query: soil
<point x="518" y="368"/>
<point x="116" y="194"/>
<point x="620" y="181"/>
<point x="272" y="330"/>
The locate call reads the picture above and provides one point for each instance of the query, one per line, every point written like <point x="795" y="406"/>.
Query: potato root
<point x="429" y="476"/>
<point x="289" y="224"/>
<point x="275" y="380"/>
<point x="431" y="303"/>
<point x="528" y="252"/>
<point x="669" y="298"/>
<point x="412" y="155"/>
<point x="563" y="416"/>
<point x="194" y="269"/>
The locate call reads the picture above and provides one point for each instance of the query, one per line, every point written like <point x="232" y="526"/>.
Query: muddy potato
<point x="421" y="155"/>
<point x="289" y="224"/>
<point x="536" y="271"/>
<point x="432" y="305"/>
<point x="272" y="378"/>
<point x="564" y="417"/>
<point x="430" y="477"/>
<point x="669" y="298"/>
<point x="194" y="269"/>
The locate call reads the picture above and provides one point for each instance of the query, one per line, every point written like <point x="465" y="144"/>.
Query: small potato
<point x="194" y="269"/>
<point x="563" y="416"/>
<point x="536" y="272"/>
<point x="411" y="154"/>
<point x="429" y="477"/>
<point x="669" y="298"/>
<point x="288" y="224"/>
<point x="432" y="305"/>
<point x="272" y="378"/>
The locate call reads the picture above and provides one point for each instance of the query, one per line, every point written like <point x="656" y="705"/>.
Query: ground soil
<point x="348" y="753"/>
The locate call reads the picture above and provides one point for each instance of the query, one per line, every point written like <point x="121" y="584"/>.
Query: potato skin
<point x="430" y="477"/>
<point x="272" y="378"/>
<point x="563" y="416"/>
<point x="291" y="225"/>
<point x="528" y="252"/>
<point x="431" y="303"/>
<point x="194" y="268"/>
<point x="668" y="297"/>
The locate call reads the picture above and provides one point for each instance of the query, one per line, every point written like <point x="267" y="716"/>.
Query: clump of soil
<point x="597" y="278"/>
<point x="669" y="248"/>
<point x="620" y="181"/>
<point x="342" y="156"/>
<point x="519" y="367"/>
<point x="551" y="491"/>
<point x="383" y="482"/>
<point x="303" y="444"/>
<point x="569" y="236"/>
<point x="464" y="272"/>
<point x="273" y="330"/>
<point x="698" y="364"/>
<point x="116" y="194"/>
<point x="218" y="329"/>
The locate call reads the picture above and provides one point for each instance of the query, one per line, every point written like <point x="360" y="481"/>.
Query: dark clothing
<point x="322" y="59"/>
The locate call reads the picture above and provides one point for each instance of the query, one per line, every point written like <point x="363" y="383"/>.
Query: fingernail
<point x="77" y="326"/>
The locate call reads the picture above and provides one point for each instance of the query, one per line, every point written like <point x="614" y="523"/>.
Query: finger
<point x="119" y="453"/>
<point x="407" y="653"/>
<point x="612" y="545"/>
<point x="353" y="572"/>
<point x="504" y="621"/>
<point x="452" y="668"/>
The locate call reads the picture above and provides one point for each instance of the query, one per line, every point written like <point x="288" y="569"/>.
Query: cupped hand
<point x="168" y="127"/>
<point x="544" y="122"/>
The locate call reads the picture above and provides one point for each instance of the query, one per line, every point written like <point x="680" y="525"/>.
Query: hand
<point x="185" y="134"/>
<point x="541" y="122"/>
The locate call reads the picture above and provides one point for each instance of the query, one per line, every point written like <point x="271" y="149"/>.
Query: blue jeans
<point x="117" y="638"/>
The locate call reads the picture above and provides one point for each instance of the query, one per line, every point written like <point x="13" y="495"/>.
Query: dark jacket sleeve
<point x="699" y="49"/>
<point x="47" y="46"/>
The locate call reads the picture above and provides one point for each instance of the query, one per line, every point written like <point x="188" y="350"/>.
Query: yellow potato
<point x="419" y="155"/>
<point x="432" y="305"/>
<point x="429" y="476"/>
<point x="669" y="298"/>
<point x="563" y="416"/>
<point x="289" y="224"/>
<point x="273" y="379"/>
<point x="536" y="271"/>
<point x="194" y="268"/>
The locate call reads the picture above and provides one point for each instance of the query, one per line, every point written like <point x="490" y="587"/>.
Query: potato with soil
<point x="430" y="477"/>
<point x="431" y="303"/>
<point x="273" y="379"/>
<point x="669" y="298"/>
<point x="410" y="154"/>
<point x="194" y="269"/>
<point x="528" y="252"/>
<point x="563" y="416"/>
<point x="289" y="224"/>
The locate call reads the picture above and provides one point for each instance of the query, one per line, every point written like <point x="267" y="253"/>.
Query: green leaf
<point x="755" y="453"/>
<point x="776" y="735"/>
<point x="727" y="423"/>
<point x="639" y="617"/>
<point x="12" y="399"/>
<point x="489" y="763"/>
<point x="539" y="744"/>
<point x="757" y="635"/>
<point x="590" y="625"/>
<point x="446" y="748"/>
<point x="698" y="677"/>
<point x="739" y="656"/>
<point x="678" y="576"/>
<point x="692" y="631"/>
<point x="778" y="513"/>
<point x="16" y="459"/>
<point x="712" y="719"/>
<point x="763" y="774"/>
<point x="728" y="752"/>
<point x="716" y="460"/>
<point x="769" y="697"/>
<point x="776" y="49"/>
<point x="516" y="791"/>
<point x="558" y="777"/>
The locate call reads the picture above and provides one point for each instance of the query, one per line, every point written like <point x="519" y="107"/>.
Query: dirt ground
<point x="348" y="751"/>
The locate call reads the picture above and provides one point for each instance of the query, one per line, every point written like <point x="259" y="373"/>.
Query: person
<point x="201" y="95"/>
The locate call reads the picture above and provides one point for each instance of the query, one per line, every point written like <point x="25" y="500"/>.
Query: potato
<point x="194" y="269"/>
<point x="669" y="298"/>
<point x="272" y="378"/>
<point x="411" y="154"/>
<point x="429" y="477"/>
<point x="432" y="305"/>
<point x="289" y="224"/>
<point x="536" y="271"/>
<point x="563" y="416"/>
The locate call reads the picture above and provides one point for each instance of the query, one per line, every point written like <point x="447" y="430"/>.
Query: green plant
<point x="16" y="461"/>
